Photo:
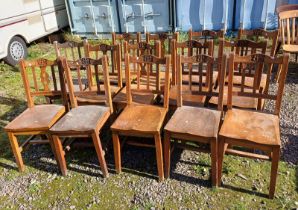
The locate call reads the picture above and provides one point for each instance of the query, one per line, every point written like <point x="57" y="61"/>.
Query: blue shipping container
<point x="204" y="14"/>
<point x="145" y="15"/>
<point x="92" y="16"/>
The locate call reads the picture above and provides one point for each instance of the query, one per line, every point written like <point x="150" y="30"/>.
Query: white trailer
<point x="23" y="21"/>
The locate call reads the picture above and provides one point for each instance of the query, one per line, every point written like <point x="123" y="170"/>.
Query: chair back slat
<point x="262" y="63"/>
<point x="207" y="67"/>
<point x="40" y="78"/>
<point x="288" y="25"/>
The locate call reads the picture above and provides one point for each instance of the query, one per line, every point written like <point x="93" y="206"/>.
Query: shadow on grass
<point x="246" y="191"/>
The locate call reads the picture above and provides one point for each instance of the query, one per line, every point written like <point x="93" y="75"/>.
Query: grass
<point x="97" y="193"/>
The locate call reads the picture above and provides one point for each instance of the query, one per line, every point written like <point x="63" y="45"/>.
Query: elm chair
<point x="242" y="48"/>
<point x="142" y="120"/>
<point x="165" y="40"/>
<point x="113" y="53"/>
<point x="83" y="121"/>
<point x="139" y="76"/>
<point x="190" y="72"/>
<point x="197" y="124"/>
<point x="253" y="129"/>
<point x="39" y="79"/>
<point x="261" y="34"/>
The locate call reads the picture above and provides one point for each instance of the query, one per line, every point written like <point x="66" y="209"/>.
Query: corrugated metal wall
<point x="94" y="17"/>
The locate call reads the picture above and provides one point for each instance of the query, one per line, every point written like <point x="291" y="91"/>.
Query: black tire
<point x="16" y="50"/>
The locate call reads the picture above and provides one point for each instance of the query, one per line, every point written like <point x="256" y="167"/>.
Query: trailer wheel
<point x="17" y="50"/>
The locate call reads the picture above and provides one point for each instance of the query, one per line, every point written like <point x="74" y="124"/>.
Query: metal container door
<point x="203" y="14"/>
<point x="105" y="13"/>
<point x="81" y="17"/>
<point x="251" y="14"/>
<point x="144" y="15"/>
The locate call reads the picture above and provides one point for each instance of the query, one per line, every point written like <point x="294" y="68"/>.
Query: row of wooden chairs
<point x="191" y="76"/>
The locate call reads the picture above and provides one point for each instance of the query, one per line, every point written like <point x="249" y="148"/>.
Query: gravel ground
<point x="139" y="177"/>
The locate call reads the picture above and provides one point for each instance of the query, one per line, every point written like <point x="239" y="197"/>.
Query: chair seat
<point x="195" y="121"/>
<point x="251" y="126"/>
<point x="140" y="118"/>
<point x="138" y="96"/>
<point x="82" y="118"/>
<point x="189" y="99"/>
<point x="237" y="101"/>
<point x="290" y="48"/>
<point x="37" y="118"/>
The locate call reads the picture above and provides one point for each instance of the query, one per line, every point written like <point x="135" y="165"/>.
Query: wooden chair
<point x="205" y="35"/>
<point x="114" y="57"/>
<point x="139" y="76"/>
<point x="252" y="129"/>
<point x="165" y="41"/>
<point x="41" y="74"/>
<point x="190" y="72"/>
<point x="131" y="38"/>
<point x="70" y="50"/>
<point x="257" y="34"/>
<point x="84" y="121"/>
<point x="242" y="48"/>
<point x="197" y="124"/>
<point x="139" y="119"/>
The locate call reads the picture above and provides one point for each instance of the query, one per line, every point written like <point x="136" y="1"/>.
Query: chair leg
<point x="117" y="152"/>
<point x="167" y="154"/>
<point x="52" y="146"/>
<point x="60" y="154"/>
<point x="100" y="154"/>
<point x="159" y="157"/>
<point x="221" y="153"/>
<point x="214" y="162"/>
<point x="274" y="168"/>
<point x="16" y="151"/>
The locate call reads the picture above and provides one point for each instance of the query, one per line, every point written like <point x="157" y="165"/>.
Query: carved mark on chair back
<point x="261" y="63"/>
<point x="189" y="48"/>
<point x="165" y="41"/>
<point x="148" y="64"/>
<point x="41" y="77"/>
<point x="70" y="50"/>
<point x="256" y="34"/>
<point x="206" y="69"/>
<point x="113" y="53"/>
<point x="81" y="65"/>
<point x="288" y="24"/>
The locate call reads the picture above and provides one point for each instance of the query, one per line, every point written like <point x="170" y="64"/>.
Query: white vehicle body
<point x="30" y="20"/>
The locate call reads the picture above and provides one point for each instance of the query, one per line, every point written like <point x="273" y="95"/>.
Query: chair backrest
<point x="288" y="25"/>
<point x="143" y="48"/>
<point x="256" y="34"/>
<point x="42" y="77"/>
<point x="241" y="47"/>
<point x="70" y="50"/>
<point x="262" y="63"/>
<point x="148" y="64"/>
<point x="81" y="66"/>
<point x="205" y="34"/>
<point x="113" y="53"/>
<point x="165" y="41"/>
<point x="131" y="38"/>
<point x="189" y="48"/>
<point x="206" y="67"/>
